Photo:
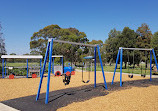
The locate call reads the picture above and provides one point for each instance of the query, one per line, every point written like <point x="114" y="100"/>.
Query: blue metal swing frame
<point x="120" y="54"/>
<point x="50" y="50"/>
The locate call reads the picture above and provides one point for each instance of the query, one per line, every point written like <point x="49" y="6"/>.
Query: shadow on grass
<point x="64" y="97"/>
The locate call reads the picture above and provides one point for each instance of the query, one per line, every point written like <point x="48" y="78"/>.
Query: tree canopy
<point x="154" y="42"/>
<point x="2" y="43"/>
<point x="127" y="38"/>
<point x="141" y="38"/>
<point x="39" y="40"/>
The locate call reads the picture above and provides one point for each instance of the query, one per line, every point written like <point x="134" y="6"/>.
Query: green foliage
<point x="91" y="51"/>
<point x="13" y="54"/>
<point x="57" y="60"/>
<point x="126" y="38"/>
<point x="143" y="36"/>
<point x="111" y="46"/>
<point x="154" y="42"/>
<point x="18" y="72"/>
<point x="39" y="41"/>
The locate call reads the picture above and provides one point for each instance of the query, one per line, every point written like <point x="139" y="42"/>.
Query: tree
<point x="100" y="43"/>
<point x="126" y="38"/>
<point x="154" y="42"/>
<point x="39" y="41"/>
<point x="143" y="36"/>
<point x="13" y="54"/>
<point x="111" y="45"/>
<point x="2" y="43"/>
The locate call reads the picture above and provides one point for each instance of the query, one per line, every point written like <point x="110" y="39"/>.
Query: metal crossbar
<point x="134" y="48"/>
<point x="75" y="43"/>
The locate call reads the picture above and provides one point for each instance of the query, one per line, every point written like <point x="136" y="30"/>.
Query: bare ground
<point x="136" y="94"/>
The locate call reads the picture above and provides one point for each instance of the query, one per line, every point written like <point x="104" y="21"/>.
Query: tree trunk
<point x="125" y="65"/>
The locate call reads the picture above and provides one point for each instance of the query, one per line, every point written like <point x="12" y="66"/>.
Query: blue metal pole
<point x="150" y="66"/>
<point x="40" y="66"/>
<point x="27" y="69"/>
<point x="101" y="64"/>
<point x="5" y="69"/>
<point x="49" y="71"/>
<point x="115" y="66"/>
<point x="155" y="58"/>
<point x="121" y="67"/>
<point x="62" y="65"/>
<point x="2" y="68"/>
<point x="95" y="61"/>
<point x="53" y="66"/>
<point x="43" y="69"/>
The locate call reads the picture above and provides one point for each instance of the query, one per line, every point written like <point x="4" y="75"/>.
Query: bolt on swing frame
<point x="49" y="51"/>
<point x="120" y="54"/>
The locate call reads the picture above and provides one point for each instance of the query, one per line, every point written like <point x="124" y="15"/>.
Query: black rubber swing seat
<point x="66" y="80"/>
<point x="130" y="76"/>
<point x="143" y="75"/>
<point x="86" y="81"/>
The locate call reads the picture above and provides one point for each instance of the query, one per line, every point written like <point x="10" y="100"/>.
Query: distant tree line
<point x="2" y="46"/>
<point x="141" y="38"/>
<point x="2" y="43"/>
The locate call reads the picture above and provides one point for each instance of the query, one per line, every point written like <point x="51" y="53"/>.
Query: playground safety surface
<point x="136" y="94"/>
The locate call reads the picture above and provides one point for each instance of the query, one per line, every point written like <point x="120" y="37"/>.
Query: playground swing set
<point x="32" y="71"/>
<point x="89" y="59"/>
<point x="49" y="51"/>
<point x="130" y="75"/>
<point x="67" y="71"/>
<point x="120" y="54"/>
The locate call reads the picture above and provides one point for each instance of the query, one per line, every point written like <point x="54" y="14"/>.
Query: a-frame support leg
<point x="101" y="64"/>
<point x="49" y="71"/>
<point x="118" y="54"/>
<point x="155" y="58"/>
<point x="43" y="69"/>
<point x="150" y="65"/>
<point x="121" y="52"/>
<point x="95" y="54"/>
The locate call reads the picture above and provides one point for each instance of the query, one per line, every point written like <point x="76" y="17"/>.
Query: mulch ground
<point x="136" y="94"/>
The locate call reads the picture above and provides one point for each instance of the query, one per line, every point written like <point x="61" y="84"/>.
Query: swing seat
<point x="130" y="76"/>
<point x="143" y="75"/>
<point x="66" y="80"/>
<point x="86" y="81"/>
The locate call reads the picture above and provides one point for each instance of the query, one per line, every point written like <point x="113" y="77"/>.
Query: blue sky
<point x="21" y="18"/>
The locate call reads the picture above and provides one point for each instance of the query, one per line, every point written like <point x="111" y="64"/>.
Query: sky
<point x="21" y="18"/>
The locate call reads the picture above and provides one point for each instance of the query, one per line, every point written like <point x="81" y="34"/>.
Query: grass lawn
<point x="107" y="68"/>
<point x="137" y="70"/>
